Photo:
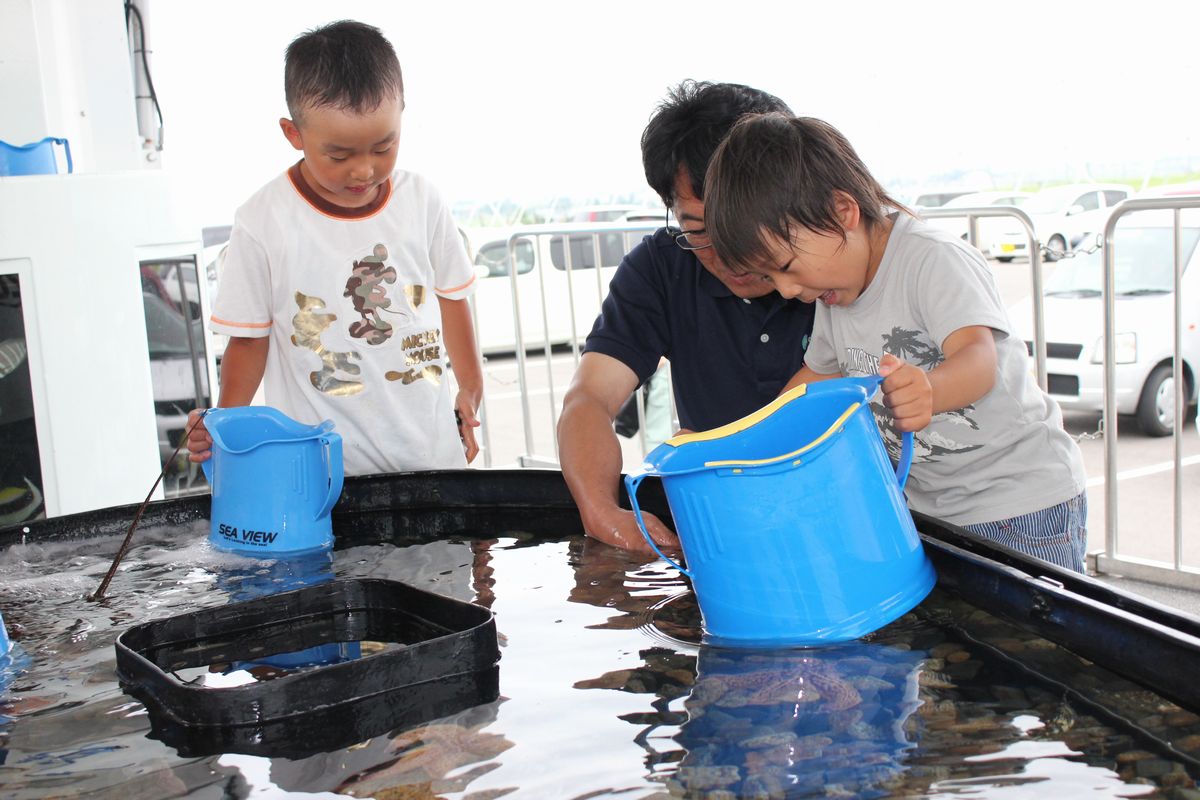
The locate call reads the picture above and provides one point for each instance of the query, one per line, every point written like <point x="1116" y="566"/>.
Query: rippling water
<point x="605" y="691"/>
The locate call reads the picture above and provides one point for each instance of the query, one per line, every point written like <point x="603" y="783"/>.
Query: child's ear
<point x="291" y="132"/>
<point x="847" y="210"/>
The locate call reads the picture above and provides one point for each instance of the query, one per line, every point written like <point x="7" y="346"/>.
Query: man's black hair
<point x="689" y="124"/>
<point x="345" y="65"/>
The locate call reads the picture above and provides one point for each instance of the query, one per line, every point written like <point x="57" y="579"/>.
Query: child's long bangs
<point x="745" y="200"/>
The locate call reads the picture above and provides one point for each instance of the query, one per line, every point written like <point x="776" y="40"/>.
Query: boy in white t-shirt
<point x="789" y="199"/>
<point x="345" y="281"/>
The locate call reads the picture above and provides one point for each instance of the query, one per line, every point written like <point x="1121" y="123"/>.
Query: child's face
<point x="689" y="212"/>
<point x="347" y="156"/>
<point x="819" y="265"/>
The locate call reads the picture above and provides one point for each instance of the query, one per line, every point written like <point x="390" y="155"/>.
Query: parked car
<point x="938" y="198"/>
<point x="541" y="272"/>
<point x="617" y="214"/>
<point x="1063" y="217"/>
<point x="1143" y="325"/>
<point x="989" y="228"/>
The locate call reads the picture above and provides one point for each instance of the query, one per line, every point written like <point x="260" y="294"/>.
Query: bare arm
<point x="242" y="368"/>
<point x="468" y="373"/>
<point x="591" y="454"/>
<point x="807" y="375"/>
<point x="967" y="374"/>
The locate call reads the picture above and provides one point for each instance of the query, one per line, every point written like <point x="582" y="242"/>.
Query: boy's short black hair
<point x="775" y="172"/>
<point x="689" y="124"/>
<point x="346" y="65"/>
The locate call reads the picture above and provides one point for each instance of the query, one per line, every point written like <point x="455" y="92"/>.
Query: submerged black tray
<point x="440" y="640"/>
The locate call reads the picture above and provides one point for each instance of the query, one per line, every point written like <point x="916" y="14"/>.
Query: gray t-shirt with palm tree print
<point x="1004" y="455"/>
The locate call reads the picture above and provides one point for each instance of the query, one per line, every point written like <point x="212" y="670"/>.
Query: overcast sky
<point x="527" y="100"/>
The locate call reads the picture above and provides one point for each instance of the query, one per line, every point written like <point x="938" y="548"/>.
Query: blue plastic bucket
<point x="36" y="158"/>
<point x="793" y="521"/>
<point x="259" y="579"/>
<point x="274" y="481"/>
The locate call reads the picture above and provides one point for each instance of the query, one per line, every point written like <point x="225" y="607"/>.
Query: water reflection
<point x="261" y="579"/>
<point x="769" y="722"/>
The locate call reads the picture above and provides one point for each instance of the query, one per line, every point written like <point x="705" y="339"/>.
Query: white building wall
<point x="65" y="72"/>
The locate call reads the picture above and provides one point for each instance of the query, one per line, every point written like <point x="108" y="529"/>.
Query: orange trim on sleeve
<point x="219" y="321"/>
<point x="456" y="288"/>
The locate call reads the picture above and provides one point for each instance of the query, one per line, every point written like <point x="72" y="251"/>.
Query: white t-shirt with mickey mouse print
<point x="348" y="298"/>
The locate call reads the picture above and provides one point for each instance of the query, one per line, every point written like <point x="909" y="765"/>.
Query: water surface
<point x="605" y="691"/>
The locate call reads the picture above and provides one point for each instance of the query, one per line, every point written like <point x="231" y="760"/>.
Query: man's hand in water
<point x="619" y="528"/>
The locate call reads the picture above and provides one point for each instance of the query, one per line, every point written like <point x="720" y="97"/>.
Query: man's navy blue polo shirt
<point x="728" y="356"/>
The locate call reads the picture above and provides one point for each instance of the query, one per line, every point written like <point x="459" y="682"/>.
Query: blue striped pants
<point x="1057" y="534"/>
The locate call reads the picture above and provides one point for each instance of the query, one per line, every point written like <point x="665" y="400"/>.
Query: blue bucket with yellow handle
<point x="793" y="520"/>
<point x="274" y="481"/>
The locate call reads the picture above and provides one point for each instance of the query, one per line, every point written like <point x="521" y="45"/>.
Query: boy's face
<point x="347" y="155"/>
<point x="689" y="214"/>
<point x="818" y="265"/>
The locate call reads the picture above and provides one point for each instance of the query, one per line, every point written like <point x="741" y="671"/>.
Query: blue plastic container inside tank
<point x="793" y="520"/>
<point x="262" y="579"/>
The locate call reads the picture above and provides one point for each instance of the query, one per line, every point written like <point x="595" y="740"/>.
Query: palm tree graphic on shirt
<point x="929" y="445"/>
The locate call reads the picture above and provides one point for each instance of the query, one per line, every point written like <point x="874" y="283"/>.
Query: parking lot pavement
<point x="1186" y="600"/>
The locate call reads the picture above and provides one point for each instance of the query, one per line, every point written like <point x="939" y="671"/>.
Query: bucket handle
<point x="905" y="462"/>
<point x="631" y="486"/>
<point x="333" y="455"/>
<point x="206" y="464"/>
<point x="66" y="150"/>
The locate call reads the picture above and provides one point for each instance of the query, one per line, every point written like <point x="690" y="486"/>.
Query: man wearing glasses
<point x="733" y="343"/>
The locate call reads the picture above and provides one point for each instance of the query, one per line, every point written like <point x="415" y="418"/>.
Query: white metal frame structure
<point x="973" y="215"/>
<point x="1175" y="573"/>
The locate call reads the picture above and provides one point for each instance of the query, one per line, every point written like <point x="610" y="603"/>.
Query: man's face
<point x="689" y="215"/>
<point x="347" y="156"/>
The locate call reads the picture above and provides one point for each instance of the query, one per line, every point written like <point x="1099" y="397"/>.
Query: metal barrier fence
<point x="558" y="276"/>
<point x="1175" y="573"/>
<point x="973" y="215"/>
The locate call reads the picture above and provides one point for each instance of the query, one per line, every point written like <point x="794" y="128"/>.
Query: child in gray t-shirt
<point x="788" y="198"/>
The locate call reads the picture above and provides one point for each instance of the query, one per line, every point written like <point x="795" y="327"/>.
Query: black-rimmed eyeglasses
<point x="689" y="240"/>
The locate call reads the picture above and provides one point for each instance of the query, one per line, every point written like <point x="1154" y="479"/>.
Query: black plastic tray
<point x="447" y="645"/>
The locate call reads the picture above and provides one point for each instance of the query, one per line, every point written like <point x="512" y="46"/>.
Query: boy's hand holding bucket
<point x="907" y="392"/>
<point x="199" y="442"/>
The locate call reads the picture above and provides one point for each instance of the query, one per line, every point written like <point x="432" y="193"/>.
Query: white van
<point x="551" y="298"/>
<point x="1143" y="330"/>
<point x="1063" y="217"/>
